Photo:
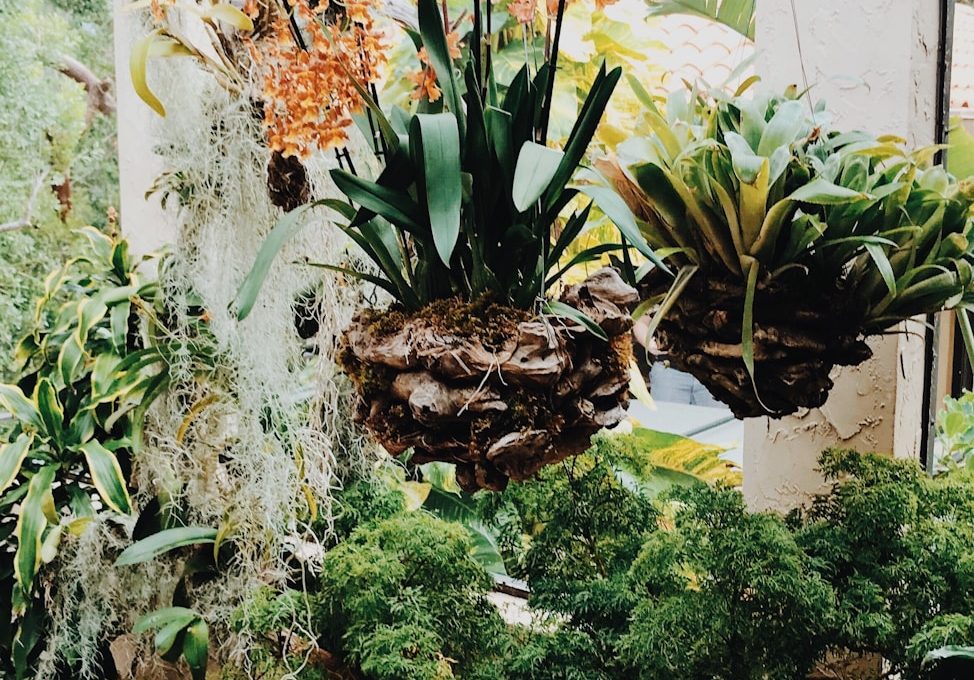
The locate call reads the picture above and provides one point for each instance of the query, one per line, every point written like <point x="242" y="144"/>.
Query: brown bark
<point x="100" y="97"/>
<point x="489" y="388"/>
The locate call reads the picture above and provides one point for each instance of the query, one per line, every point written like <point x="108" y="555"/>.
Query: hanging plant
<point x="476" y="362"/>
<point x="792" y="242"/>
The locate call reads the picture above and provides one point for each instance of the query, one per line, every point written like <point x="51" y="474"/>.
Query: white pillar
<point x="874" y="63"/>
<point x="143" y="221"/>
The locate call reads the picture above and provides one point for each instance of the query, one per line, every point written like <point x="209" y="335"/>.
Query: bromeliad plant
<point x="464" y="228"/>
<point x="792" y="242"/>
<point x="87" y="373"/>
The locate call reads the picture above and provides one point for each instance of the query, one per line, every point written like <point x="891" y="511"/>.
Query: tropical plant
<point x="181" y="632"/>
<point x="764" y="210"/>
<point x="955" y="429"/>
<point x="470" y="195"/>
<point x="735" y="14"/>
<point x="87" y="372"/>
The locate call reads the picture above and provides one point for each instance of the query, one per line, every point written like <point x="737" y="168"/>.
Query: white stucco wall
<point x="874" y="62"/>
<point x="143" y="220"/>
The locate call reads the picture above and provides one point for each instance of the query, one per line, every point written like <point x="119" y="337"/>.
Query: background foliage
<point x="45" y="132"/>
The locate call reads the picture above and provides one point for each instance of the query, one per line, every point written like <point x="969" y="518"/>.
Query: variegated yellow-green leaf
<point x="106" y="474"/>
<point x="13" y="400"/>
<point x="99" y="243"/>
<point x="90" y="312"/>
<point x="231" y="15"/>
<point x="49" y="408"/>
<point x="70" y="359"/>
<point x="30" y="528"/>
<point x="415" y="494"/>
<point x="50" y="544"/>
<point x="12" y="456"/>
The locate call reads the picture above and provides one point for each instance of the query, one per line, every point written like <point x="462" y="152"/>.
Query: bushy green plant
<point x="48" y="137"/>
<point x="955" y="428"/>
<point x="724" y="594"/>
<point x="86" y="373"/>
<point x="897" y="547"/>
<point x="398" y="597"/>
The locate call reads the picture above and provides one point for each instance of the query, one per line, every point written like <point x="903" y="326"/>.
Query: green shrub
<point x="897" y="548"/>
<point x="725" y="594"/>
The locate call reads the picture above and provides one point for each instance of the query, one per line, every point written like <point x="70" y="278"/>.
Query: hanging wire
<point x="801" y="59"/>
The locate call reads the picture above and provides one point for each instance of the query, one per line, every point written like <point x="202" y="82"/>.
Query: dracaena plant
<point x="752" y="188"/>
<point x="87" y="372"/>
<point x="471" y="200"/>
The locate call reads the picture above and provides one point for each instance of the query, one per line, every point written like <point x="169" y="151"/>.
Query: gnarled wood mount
<point x="800" y="333"/>
<point x="501" y="405"/>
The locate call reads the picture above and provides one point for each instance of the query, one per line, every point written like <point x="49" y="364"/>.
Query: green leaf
<point x="434" y="40"/>
<point x="395" y="206"/>
<point x="536" y="166"/>
<point x="164" y="541"/>
<point x="612" y="205"/>
<point x="167" y="634"/>
<point x="948" y="652"/>
<point x="163" y="617"/>
<point x="583" y="131"/>
<point x="70" y="359"/>
<point x="30" y="527"/>
<point x="195" y="648"/>
<point x="49" y="408"/>
<point x="286" y="227"/>
<point x="783" y="128"/>
<point x="556" y="308"/>
<point x="437" y="141"/>
<point x="822" y="192"/>
<point x="12" y="456"/>
<point x="106" y="475"/>
<point x="12" y="400"/>
<point x="878" y="255"/>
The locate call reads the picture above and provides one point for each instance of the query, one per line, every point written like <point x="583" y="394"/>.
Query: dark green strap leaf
<point x="436" y="141"/>
<point x="163" y="542"/>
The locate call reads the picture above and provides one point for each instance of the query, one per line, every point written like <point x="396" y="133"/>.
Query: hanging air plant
<point x="475" y="362"/>
<point x="793" y="243"/>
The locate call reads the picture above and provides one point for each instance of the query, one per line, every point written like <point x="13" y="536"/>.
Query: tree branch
<point x="26" y="220"/>
<point x="100" y="97"/>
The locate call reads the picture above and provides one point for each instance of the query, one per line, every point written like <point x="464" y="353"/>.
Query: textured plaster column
<point x="874" y="63"/>
<point x="143" y="220"/>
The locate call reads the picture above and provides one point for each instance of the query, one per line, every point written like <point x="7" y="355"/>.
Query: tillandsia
<point x="467" y="227"/>
<point x="792" y="240"/>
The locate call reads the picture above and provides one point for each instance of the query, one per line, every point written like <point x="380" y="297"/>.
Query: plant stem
<point x="546" y="109"/>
